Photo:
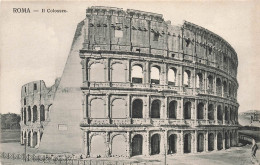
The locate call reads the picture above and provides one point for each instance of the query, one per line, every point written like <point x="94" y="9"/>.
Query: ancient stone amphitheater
<point x="134" y="84"/>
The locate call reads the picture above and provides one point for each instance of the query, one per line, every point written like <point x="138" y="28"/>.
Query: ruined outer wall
<point x="62" y="134"/>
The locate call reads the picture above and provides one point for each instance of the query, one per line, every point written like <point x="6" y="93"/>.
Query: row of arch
<point x="119" y="145"/>
<point x="32" y="139"/>
<point x="119" y="109"/>
<point x="29" y="114"/>
<point x="119" y="74"/>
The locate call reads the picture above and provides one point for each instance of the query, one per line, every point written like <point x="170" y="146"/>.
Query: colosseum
<point x="134" y="84"/>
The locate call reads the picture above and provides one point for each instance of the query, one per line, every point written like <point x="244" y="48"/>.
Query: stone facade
<point x="136" y="85"/>
<point x="36" y="103"/>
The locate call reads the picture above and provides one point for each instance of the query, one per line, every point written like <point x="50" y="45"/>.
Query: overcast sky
<point x="35" y="46"/>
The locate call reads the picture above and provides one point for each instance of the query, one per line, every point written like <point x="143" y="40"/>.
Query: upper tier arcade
<point x="114" y="29"/>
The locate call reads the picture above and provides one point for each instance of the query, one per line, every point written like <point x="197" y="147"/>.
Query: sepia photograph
<point x="130" y="82"/>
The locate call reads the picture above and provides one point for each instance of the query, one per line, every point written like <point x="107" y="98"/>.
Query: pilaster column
<point x="180" y="76"/>
<point x="181" y="143"/>
<point x="196" y="110"/>
<point x="147" y="108"/>
<point x="163" y="75"/>
<point x="108" y="149"/>
<point x="146" y="144"/>
<point x="38" y="114"/>
<point x="223" y="136"/>
<point x="180" y="109"/>
<point x="206" y="82"/>
<point x="195" y="141"/>
<point x="129" y="71"/>
<point x="216" y="141"/>
<point x="163" y="142"/>
<point x="165" y="109"/>
<point x="129" y="106"/>
<point x="128" y="147"/>
<point x="31" y="140"/>
<point x="216" y="113"/>
<point x="108" y="113"/>
<point x="206" y="110"/>
<point x="38" y="139"/>
<point x="206" y="135"/>
<point x="146" y="73"/>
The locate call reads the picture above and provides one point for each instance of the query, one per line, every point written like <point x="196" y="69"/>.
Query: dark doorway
<point x="220" y="141"/>
<point x="200" y="142"/>
<point x="211" y="142"/>
<point x="200" y="111"/>
<point x="187" y="143"/>
<point x="137" y="109"/>
<point x="155" y="110"/>
<point x="187" y="110"/>
<point x="155" y="144"/>
<point x="137" y="144"/>
<point x="172" y="144"/>
<point x="172" y="109"/>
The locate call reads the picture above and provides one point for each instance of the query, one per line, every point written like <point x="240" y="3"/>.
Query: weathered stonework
<point x="134" y="84"/>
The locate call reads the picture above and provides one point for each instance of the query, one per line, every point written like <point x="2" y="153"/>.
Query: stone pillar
<point x="163" y="143"/>
<point x="180" y="109"/>
<point x="180" y="76"/>
<point x="216" y="113"/>
<point x="216" y="141"/>
<point x="27" y="137"/>
<point x="214" y="85"/>
<point x="108" y="149"/>
<point x="181" y="143"/>
<point x="38" y="139"/>
<point x="206" y="108"/>
<point x="206" y="135"/>
<point x="31" y="142"/>
<point x="223" y="139"/>
<point x="165" y="109"/>
<point x="129" y="106"/>
<point x="108" y="113"/>
<point x="147" y="108"/>
<point x="85" y="143"/>
<point x="129" y="71"/>
<point x="196" y="110"/>
<point x="163" y="75"/>
<point x="38" y="114"/>
<point x="193" y="109"/>
<point x="206" y="82"/>
<point x="146" y="144"/>
<point x="195" y="141"/>
<point x="128" y="140"/>
<point x="146" y="73"/>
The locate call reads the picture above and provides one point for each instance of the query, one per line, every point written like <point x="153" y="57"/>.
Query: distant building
<point x="134" y="84"/>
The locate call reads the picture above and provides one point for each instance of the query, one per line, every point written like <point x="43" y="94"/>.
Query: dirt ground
<point x="235" y="155"/>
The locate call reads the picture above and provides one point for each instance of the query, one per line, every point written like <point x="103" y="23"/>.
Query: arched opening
<point x="34" y="139"/>
<point x="200" y="111"/>
<point x="155" y="144"/>
<point x="118" y="72"/>
<point x="200" y="142"/>
<point x="155" y="75"/>
<point x="119" y="146"/>
<point x="187" y="143"/>
<point x="97" y="108"/>
<point x="24" y="101"/>
<point x="199" y="81"/>
<point x="219" y="113"/>
<point x="24" y="115"/>
<point x="172" y="141"/>
<point x="118" y="109"/>
<point x="226" y="141"/>
<point x="172" y="109"/>
<point x="232" y="139"/>
<point x="137" y="145"/>
<point x="29" y="139"/>
<point x="186" y="78"/>
<point x="97" y="73"/>
<point x="35" y="113"/>
<point x="225" y="87"/>
<point x="137" y="108"/>
<point x="219" y="142"/>
<point x="155" y="109"/>
<point x="137" y="74"/>
<point x="172" y="76"/>
<point x="29" y="114"/>
<point x="42" y="113"/>
<point x="226" y="114"/>
<point x="219" y="87"/>
<point x="98" y="146"/>
<point x="211" y="112"/>
<point x="187" y="110"/>
<point x="211" y="142"/>
<point x="210" y="84"/>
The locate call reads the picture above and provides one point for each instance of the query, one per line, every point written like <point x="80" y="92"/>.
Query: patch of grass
<point x="10" y="135"/>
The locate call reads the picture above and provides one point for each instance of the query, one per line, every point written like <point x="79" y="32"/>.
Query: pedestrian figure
<point x="254" y="148"/>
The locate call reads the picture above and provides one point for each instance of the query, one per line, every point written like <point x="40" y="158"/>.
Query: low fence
<point x="61" y="160"/>
<point x="245" y="139"/>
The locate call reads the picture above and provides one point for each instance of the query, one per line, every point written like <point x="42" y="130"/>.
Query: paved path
<point x="235" y="155"/>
